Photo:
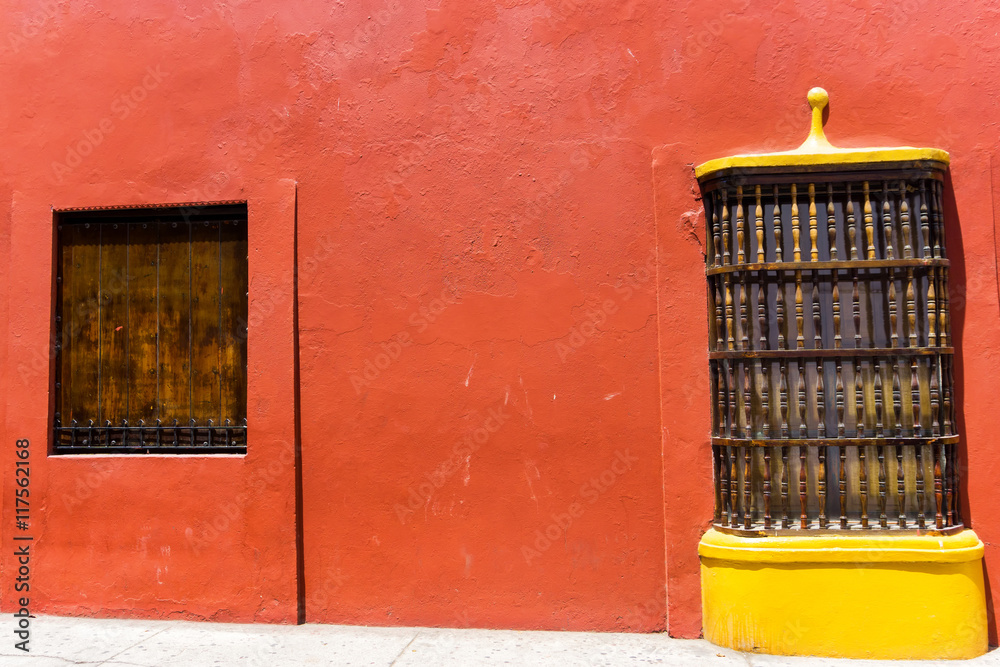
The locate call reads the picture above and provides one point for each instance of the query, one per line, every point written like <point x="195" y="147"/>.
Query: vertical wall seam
<point x="300" y="581"/>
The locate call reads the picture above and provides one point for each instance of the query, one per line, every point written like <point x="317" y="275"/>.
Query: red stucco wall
<point x="497" y="197"/>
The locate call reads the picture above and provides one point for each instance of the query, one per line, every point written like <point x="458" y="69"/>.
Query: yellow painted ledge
<point x="817" y="150"/>
<point x="852" y="596"/>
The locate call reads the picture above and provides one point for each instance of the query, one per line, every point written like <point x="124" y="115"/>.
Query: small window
<point x="150" y="330"/>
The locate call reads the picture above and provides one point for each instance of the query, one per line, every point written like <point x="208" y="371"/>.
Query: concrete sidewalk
<point x="56" y="642"/>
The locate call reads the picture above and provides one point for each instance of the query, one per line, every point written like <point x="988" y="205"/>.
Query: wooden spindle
<point x="852" y="233"/>
<point x="839" y="399"/>
<point x="897" y="402"/>
<point x="893" y="335"/>
<point x="767" y="487"/>
<point x="946" y="386"/>
<point x="717" y="403"/>
<point x="932" y="340"/>
<point x="859" y="400"/>
<point x="758" y="216"/>
<point x="730" y="315"/>
<point x="925" y="229"/>
<point x="796" y="232"/>
<point x="740" y="236"/>
<point x="747" y="487"/>
<point x="747" y="422"/>
<point x="938" y="486"/>
<point x="949" y="485"/>
<point x="716" y="234"/>
<point x="785" y="502"/>
<point x="720" y="325"/>
<point x="726" y="257"/>
<point x="915" y="396"/>
<point x="904" y="219"/>
<point x="744" y="315"/>
<point x="821" y="485"/>
<point x="944" y="330"/>
<point x="724" y="398"/>
<point x="900" y="487"/>
<point x="735" y="398"/>
<point x="882" y="518"/>
<point x="877" y="372"/>
<point x="817" y="318"/>
<point x="803" y="506"/>
<point x="863" y="483"/>
<point x="803" y="423"/>
<point x="831" y="222"/>
<point x="869" y="223"/>
<point x="820" y="401"/>
<point x="842" y="486"/>
<point x="918" y="451"/>
<point x="953" y="513"/>
<point x="733" y="488"/>
<point x="783" y="397"/>
<point x="856" y="310"/>
<point x="779" y="310"/>
<point x="938" y="187"/>
<point x="836" y="312"/>
<point x="910" y="309"/>
<point x="935" y="221"/>
<point x="776" y="221"/>
<point x="813" y="229"/>
<point x="717" y="477"/>
<point x="887" y="220"/>
<point x="765" y="393"/>
<point x="935" y="399"/>
<point x="799" y="317"/>
<point x="762" y="312"/>
<point x="724" y="490"/>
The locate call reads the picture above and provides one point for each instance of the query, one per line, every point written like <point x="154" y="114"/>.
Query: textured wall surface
<point x="504" y="380"/>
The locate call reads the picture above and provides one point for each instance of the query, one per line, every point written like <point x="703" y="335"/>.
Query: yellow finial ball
<point x="818" y="98"/>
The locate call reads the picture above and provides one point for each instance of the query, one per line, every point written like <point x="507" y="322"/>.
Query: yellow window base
<point x="879" y="596"/>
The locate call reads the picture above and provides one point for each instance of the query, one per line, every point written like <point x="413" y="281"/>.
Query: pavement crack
<point x="410" y="643"/>
<point x="127" y="648"/>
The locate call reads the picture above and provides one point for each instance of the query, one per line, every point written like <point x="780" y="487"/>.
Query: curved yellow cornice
<point x="817" y="150"/>
<point x="851" y="547"/>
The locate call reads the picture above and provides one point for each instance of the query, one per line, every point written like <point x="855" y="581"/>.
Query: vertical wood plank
<point x="205" y="323"/>
<point x="114" y="327"/>
<point x="142" y="318"/>
<point x="174" y="314"/>
<point x="80" y="326"/>
<point x="233" y="306"/>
